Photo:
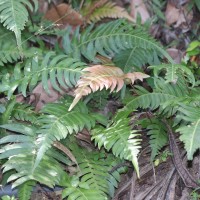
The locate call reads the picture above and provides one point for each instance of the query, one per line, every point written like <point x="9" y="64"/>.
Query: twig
<point x="132" y="190"/>
<point x="81" y="4"/>
<point x="154" y="173"/>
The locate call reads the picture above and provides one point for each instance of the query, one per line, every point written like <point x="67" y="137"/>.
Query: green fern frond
<point x="14" y="15"/>
<point x="179" y="89"/>
<point x="7" y="111"/>
<point x="108" y="39"/>
<point x="189" y="110"/>
<point x="94" y="175"/>
<point x="189" y="116"/>
<point x="190" y="137"/>
<point x="17" y="144"/>
<point x="188" y="113"/>
<point x="119" y="138"/>
<point x="57" y="123"/>
<point x="20" y="149"/>
<point x="54" y="153"/>
<point x="158" y="138"/>
<point x="157" y="133"/>
<point x="172" y="71"/>
<point x="25" y="190"/>
<point x="135" y="58"/>
<point x="150" y="100"/>
<point x="163" y="95"/>
<point x="77" y="193"/>
<point x="24" y="112"/>
<point x="8" y="51"/>
<point x="48" y="172"/>
<point x="61" y="71"/>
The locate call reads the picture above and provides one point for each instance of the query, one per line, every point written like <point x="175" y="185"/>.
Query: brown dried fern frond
<point x="99" y="77"/>
<point x="104" y="9"/>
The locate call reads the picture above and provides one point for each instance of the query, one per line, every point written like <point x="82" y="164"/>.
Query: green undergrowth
<point x="30" y="139"/>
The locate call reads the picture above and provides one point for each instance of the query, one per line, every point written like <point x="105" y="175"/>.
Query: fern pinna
<point x="14" y="16"/>
<point x="108" y="39"/>
<point x="119" y="137"/>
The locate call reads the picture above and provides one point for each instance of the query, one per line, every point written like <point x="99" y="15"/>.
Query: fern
<point x="190" y="131"/>
<point x="189" y="113"/>
<point x="74" y="193"/>
<point x="20" y="143"/>
<point x="119" y="138"/>
<point x="108" y="39"/>
<point x="190" y="137"/>
<point x="7" y="112"/>
<point x="94" y="177"/>
<point x="31" y="146"/>
<point x="24" y="190"/>
<point x="48" y="172"/>
<point x="157" y="133"/>
<point x="57" y="123"/>
<point x="172" y="71"/>
<point x="165" y="96"/>
<point x="21" y="149"/>
<point x="14" y="15"/>
<point x="30" y="150"/>
<point x="8" y="51"/>
<point x="135" y="58"/>
<point x="63" y="72"/>
<point x="24" y="112"/>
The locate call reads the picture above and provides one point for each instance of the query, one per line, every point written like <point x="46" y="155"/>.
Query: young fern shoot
<point x="99" y="77"/>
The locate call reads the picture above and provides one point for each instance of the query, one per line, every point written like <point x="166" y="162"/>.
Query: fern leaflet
<point x="57" y="123"/>
<point x="165" y="96"/>
<point x="14" y="15"/>
<point x="172" y="71"/>
<point x="21" y="150"/>
<point x="8" y="50"/>
<point x="157" y="134"/>
<point x="25" y="190"/>
<point x="63" y="72"/>
<point x="119" y="138"/>
<point x="108" y="39"/>
<point x="135" y="58"/>
<point x="190" y="137"/>
<point x="94" y="176"/>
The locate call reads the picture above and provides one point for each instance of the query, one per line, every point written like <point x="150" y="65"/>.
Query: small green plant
<point x="8" y="198"/>
<point x="195" y="195"/>
<point x="162" y="157"/>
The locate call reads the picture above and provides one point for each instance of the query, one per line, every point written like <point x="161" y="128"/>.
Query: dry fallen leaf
<point x="63" y="14"/>
<point x="40" y="97"/>
<point x="172" y="13"/>
<point x="179" y="16"/>
<point x="43" y="6"/>
<point x="138" y="7"/>
<point x="176" y="54"/>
